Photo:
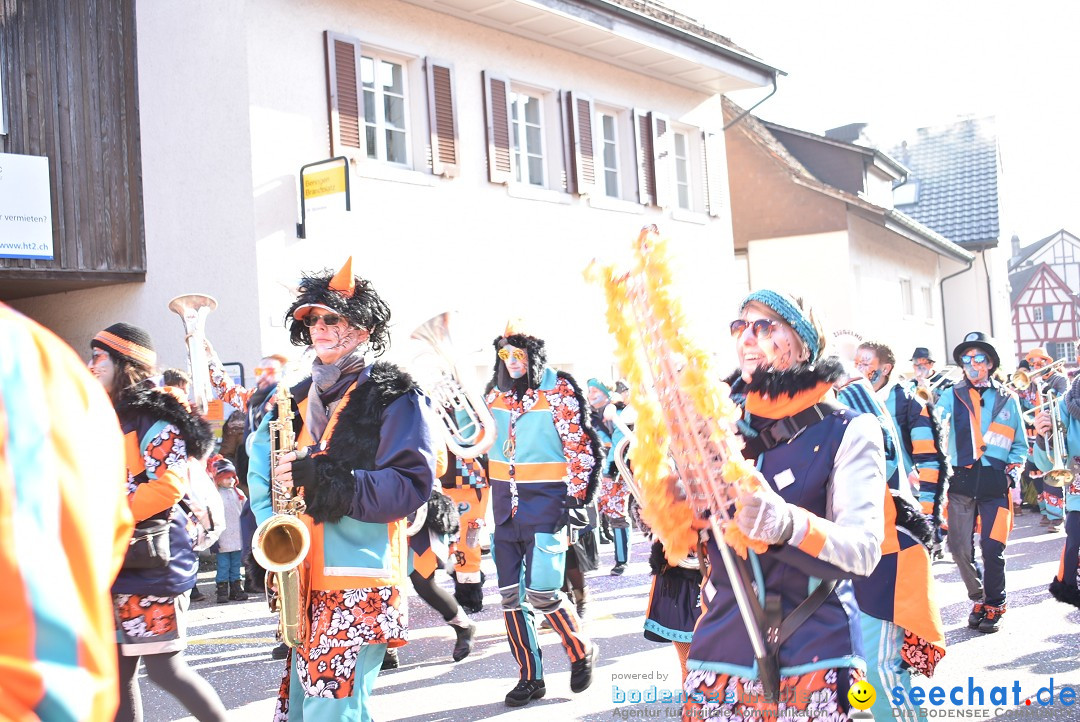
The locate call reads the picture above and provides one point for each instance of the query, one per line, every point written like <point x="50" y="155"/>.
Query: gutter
<point x="941" y="291"/>
<point x="748" y="110"/>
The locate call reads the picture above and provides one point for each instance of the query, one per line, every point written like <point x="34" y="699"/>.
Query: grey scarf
<point x="323" y="378"/>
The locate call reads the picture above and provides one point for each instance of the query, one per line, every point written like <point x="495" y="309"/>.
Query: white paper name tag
<point x="784" y="478"/>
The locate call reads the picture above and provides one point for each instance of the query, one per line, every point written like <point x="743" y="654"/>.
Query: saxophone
<point x="282" y="541"/>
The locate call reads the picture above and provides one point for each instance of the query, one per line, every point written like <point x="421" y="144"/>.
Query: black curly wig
<point x="500" y="378"/>
<point x="364" y="309"/>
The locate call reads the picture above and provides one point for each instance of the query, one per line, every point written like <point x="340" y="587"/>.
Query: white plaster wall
<point x="812" y="266"/>
<point x="967" y="305"/>
<point x="429" y="244"/>
<point x="196" y="174"/>
<point x="883" y="258"/>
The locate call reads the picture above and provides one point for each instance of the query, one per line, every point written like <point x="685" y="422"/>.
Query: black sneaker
<point x="617" y="570"/>
<point x="464" y="643"/>
<point x="526" y="691"/>
<point x="390" y="659"/>
<point x="991" y="619"/>
<point x="280" y="652"/>
<point x="976" y="616"/>
<point x="581" y="670"/>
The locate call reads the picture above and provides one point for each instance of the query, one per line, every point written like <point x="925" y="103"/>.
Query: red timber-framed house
<point x="1045" y="313"/>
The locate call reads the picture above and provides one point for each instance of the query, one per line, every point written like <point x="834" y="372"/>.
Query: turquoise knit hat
<point x="788" y="309"/>
<point x="598" y="384"/>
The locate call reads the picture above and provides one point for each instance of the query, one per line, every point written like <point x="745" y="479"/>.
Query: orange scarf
<point x="786" y="405"/>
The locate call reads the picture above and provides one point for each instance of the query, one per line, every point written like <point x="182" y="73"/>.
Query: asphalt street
<point x="1038" y="647"/>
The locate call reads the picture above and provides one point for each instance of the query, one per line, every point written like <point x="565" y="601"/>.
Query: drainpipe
<point x="747" y="112"/>
<point x="989" y="295"/>
<point x="941" y="290"/>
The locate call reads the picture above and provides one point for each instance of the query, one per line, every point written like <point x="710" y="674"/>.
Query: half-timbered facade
<point x="1060" y="251"/>
<point x="1045" y="312"/>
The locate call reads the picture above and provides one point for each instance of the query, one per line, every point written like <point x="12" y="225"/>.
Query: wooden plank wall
<point x="71" y="88"/>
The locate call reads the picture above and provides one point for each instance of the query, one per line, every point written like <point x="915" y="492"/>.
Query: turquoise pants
<point x="884" y="670"/>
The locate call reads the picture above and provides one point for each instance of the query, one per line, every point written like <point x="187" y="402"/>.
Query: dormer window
<point x="907" y="194"/>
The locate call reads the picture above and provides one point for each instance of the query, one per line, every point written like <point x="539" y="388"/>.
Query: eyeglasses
<point x="330" y="319"/>
<point x="979" y="358"/>
<point x="763" y="327"/>
<point x="506" y="353"/>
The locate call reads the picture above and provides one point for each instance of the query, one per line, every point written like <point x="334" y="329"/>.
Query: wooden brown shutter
<point x="643" y="153"/>
<point x="663" y="160"/>
<point x="581" y="138"/>
<point x="345" y="91"/>
<point x="715" y="165"/>
<point x="497" y="117"/>
<point x="442" y="117"/>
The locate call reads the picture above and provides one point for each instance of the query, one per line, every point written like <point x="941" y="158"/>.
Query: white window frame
<point x="517" y="101"/>
<point x="907" y="298"/>
<point x="1036" y="314"/>
<point x="616" y="118"/>
<point x="688" y="162"/>
<point x="378" y="55"/>
<point x="928" y="301"/>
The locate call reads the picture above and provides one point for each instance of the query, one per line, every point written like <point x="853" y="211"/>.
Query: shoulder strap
<point x="784" y="430"/>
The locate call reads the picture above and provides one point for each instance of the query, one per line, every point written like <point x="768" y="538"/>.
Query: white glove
<point x="765" y="516"/>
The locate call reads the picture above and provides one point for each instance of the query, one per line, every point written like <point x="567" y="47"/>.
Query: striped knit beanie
<point x="788" y="309"/>
<point x="130" y="342"/>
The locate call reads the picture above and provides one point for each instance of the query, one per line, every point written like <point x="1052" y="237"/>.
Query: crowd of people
<point x="864" y="476"/>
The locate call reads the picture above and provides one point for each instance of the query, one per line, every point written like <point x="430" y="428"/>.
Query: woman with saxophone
<point x="364" y="460"/>
<point x="819" y="507"/>
<point x="152" y="602"/>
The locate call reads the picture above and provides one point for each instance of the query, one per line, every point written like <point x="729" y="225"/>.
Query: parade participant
<point x="922" y="362"/>
<point x="674" y="601"/>
<point x="162" y="438"/>
<point x="599" y="398"/>
<point x="63" y="483"/>
<point x="1051" y="498"/>
<point x="987" y="449"/>
<point x="544" y="469"/>
<point x="830" y="459"/>
<point x="465" y="482"/>
<point x="429" y="550"/>
<point x="901" y="623"/>
<point x="1064" y="586"/>
<point x="613" y="492"/>
<point x="365" y="460"/>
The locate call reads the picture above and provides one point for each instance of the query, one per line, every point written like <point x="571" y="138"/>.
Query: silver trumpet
<point x="1059" y="476"/>
<point x="468" y="426"/>
<point x="193" y="308"/>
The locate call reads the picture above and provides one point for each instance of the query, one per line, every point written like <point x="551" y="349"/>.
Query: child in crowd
<point x="229" y="584"/>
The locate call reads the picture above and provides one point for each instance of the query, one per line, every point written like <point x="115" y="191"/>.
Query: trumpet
<point x="948" y="375"/>
<point x="468" y="426"/>
<point x="1022" y="379"/>
<point x="1058" y="476"/>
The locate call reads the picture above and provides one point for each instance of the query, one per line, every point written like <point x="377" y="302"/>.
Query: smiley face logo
<point x="862" y="695"/>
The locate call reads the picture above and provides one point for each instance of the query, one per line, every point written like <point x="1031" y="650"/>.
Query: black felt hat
<point x="979" y="340"/>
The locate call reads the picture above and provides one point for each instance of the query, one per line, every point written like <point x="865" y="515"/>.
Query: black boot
<point x="390" y="659"/>
<point x="236" y="591"/>
<point x="222" y="592"/>
<point x="581" y="670"/>
<point x="196" y="595"/>
<point x="526" y="691"/>
<point x="464" y="644"/>
<point x="581" y="600"/>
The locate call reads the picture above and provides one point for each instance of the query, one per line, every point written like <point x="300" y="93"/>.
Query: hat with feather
<point x="345" y="295"/>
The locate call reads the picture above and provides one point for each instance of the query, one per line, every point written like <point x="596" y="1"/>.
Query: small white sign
<point x="26" y="229"/>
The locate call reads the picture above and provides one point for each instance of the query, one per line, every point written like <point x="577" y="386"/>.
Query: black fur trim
<point x="945" y="470"/>
<point x="773" y="384"/>
<point x="158" y="404"/>
<point x="470" y="595"/>
<point x="657" y="560"/>
<point x="537" y="360"/>
<point x="911" y="518"/>
<point x="1064" y="593"/>
<point x="590" y="433"/>
<point x="354" y="443"/>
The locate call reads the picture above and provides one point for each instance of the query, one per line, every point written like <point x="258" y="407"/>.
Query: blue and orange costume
<point x="543" y="468"/>
<point x="987" y="449"/>
<point x="64" y="529"/>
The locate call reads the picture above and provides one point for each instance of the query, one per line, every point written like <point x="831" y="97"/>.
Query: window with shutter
<point x="663" y="159"/>
<point x="715" y="163"/>
<point x="682" y="170"/>
<point x="527" y="138"/>
<point x="643" y="152"/>
<point x="443" y="118"/>
<point x="608" y="136"/>
<point x="497" y="116"/>
<point x="386" y="109"/>
<point x="582" y="142"/>
<point x="343" y="80"/>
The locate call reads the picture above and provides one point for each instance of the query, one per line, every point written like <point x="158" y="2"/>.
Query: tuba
<point x="193" y="308"/>
<point x="1059" y="476"/>
<point x="468" y="426"/>
<point x="281" y="542"/>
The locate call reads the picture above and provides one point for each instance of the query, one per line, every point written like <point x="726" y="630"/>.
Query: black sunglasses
<point x="763" y="327"/>
<point x="330" y="319"/>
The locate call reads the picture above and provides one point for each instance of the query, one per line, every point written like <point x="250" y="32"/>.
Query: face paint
<point x="977" y="372"/>
<point x="102" y="367"/>
<point x="781" y="349"/>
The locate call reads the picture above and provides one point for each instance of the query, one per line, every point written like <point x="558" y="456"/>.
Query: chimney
<point x="1015" y="246"/>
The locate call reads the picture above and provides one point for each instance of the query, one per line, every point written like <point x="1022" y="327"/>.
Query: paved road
<point x="1039" y="640"/>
